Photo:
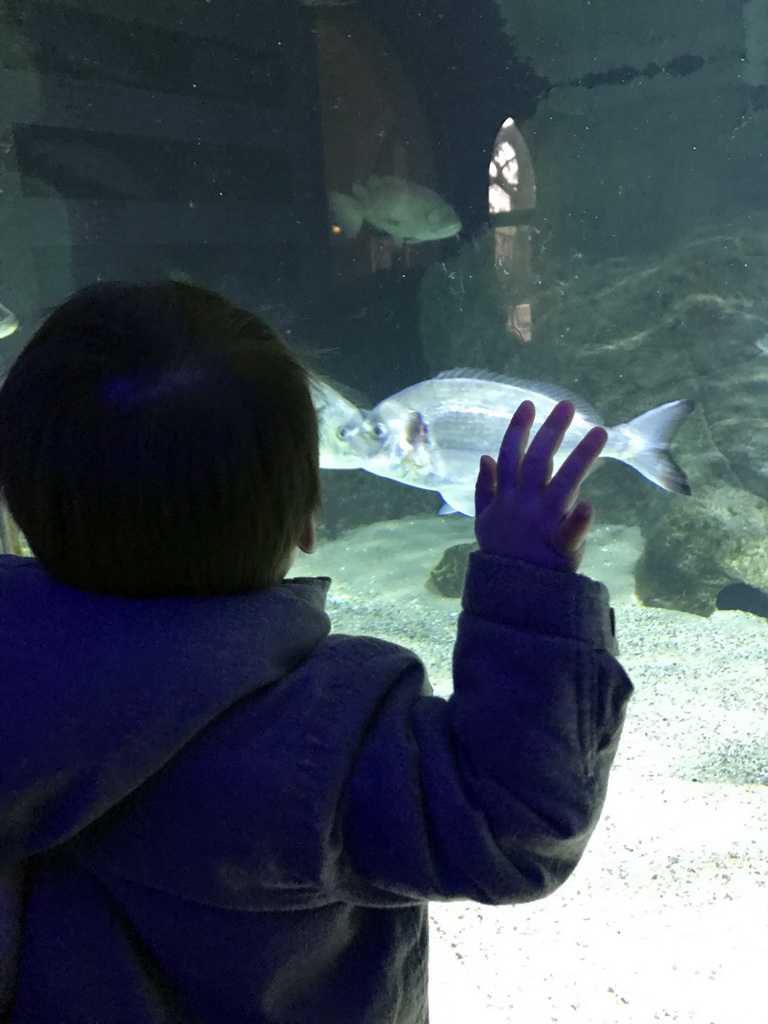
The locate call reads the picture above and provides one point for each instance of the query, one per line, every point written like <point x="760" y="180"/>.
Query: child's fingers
<point x="485" y="487"/>
<point x="513" y="446"/>
<point x="572" y="533"/>
<point x="574" y="470"/>
<point x="536" y="467"/>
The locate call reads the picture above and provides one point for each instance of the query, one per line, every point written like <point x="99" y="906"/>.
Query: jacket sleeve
<point x="492" y="794"/>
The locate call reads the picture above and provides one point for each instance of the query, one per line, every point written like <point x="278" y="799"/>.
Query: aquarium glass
<point x="572" y="194"/>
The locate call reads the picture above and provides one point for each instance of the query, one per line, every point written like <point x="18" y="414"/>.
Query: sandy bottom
<point x="666" y="917"/>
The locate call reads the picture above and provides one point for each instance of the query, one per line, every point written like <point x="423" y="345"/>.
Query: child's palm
<point x="521" y="509"/>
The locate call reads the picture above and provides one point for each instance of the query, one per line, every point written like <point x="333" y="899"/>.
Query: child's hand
<point x="519" y="510"/>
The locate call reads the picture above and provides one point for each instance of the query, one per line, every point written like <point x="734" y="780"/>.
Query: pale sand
<point x="666" y="918"/>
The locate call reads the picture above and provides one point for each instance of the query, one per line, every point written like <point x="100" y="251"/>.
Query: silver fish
<point x="400" y="208"/>
<point x="338" y="420"/>
<point x="432" y="434"/>
<point x="8" y="321"/>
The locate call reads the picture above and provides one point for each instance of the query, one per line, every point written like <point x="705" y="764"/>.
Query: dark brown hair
<point x="157" y="440"/>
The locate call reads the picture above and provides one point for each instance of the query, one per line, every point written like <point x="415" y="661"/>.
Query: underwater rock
<point x="702" y="545"/>
<point x="463" y="311"/>
<point x="447" y="576"/>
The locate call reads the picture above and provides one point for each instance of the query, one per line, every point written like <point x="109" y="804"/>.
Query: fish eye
<point x="343" y="433"/>
<point x="379" y="430"/>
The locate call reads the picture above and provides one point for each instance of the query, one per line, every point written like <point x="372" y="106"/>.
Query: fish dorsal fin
<point x="553" y="391"/>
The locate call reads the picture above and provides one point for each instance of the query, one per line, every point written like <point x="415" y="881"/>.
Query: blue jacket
<point x="214" y="812"/>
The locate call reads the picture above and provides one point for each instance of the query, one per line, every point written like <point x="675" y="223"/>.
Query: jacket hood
<point x="98" y="693"/>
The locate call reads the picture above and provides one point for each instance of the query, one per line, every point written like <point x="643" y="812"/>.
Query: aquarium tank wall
<point x="572" y="195"/>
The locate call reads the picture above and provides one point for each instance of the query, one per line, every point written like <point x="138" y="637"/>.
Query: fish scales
<point x="463" y="420"/>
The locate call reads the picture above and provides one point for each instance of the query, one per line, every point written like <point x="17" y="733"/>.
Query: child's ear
<point x="308" y="539"/>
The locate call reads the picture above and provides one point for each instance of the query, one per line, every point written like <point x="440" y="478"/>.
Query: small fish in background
<point x="338" y="420"/>
<point x="432" y="434"/>
<point x="405" y="211"/>
<point x="8" y="322"/>
<point x="761" y="344"/>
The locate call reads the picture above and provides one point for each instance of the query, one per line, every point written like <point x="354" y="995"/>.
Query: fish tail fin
<point x="347" y="213"/>
<point x="649" y="436"/>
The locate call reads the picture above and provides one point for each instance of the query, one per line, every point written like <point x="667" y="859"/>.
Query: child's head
<point x="157" y="440"/>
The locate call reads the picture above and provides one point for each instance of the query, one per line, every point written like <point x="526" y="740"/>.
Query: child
<point x="211" y="810"/>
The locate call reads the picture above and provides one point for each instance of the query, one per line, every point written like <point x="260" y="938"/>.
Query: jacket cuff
<point x="548" y="601"/>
